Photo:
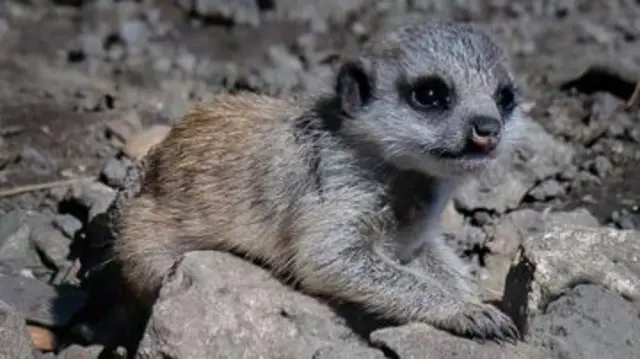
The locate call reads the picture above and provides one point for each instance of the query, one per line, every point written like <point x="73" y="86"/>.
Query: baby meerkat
<point x="318" y="187"/>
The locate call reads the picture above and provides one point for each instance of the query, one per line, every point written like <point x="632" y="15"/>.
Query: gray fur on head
<point x="461" y="64"/>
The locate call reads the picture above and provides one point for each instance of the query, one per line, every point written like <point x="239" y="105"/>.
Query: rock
<point x="95" y="196"/>
<point x="318" y="13"/>
<point x="41" y="303"/>
<point x="482" y="218"/>
<point x="584" y="179"/>
<point x="53" y="246"/>
<point x="626" y="220"/>
<point x="124" y="127"/>
<point x="36" y="161"/>
<point x="601" y="166"/>
<point x="575" y="217"/>
<point x="422" y="341"/>
<point x="553" y="261"/>
<point x="610" y="323"/>
<point x="347" y="352"/>
<point x="512" y="228"/>
<point x="134" y="32"/>
<point x="115" y="47"/>
<point x="568" y="174"/>
<point x="283" y="58"/>
<point x="42" y="339"/>
<point x="186" y="61"/>
<point x="603" y="107"/>
<point x="14" y="337"/>
<point x="16" y="248"/>
<point x="547" y="190"/>
<point x="138" y="146"/>
<point x="503" y="243"/>
<point x="80" y="352"/>
<point x="634" y="134"/>
<point x="467" y="238"/>
<point x="237" y="11"/>
<point x="509" y="234"/>
<point x="503" y="187"/>
<point x="218" y="305"/>
<point x="115" y="171"/>
<point x="67" y="224"/>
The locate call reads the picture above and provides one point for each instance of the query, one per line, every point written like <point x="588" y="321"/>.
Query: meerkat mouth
<point x="468" y="152"/>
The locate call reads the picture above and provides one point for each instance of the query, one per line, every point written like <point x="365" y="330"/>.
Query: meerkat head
<point x="439" y="99"/>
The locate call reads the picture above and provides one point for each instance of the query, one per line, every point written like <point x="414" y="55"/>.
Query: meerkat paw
<point x="481" y="322"/>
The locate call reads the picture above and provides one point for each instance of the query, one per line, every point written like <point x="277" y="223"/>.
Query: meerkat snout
<point x="485" y="133"/>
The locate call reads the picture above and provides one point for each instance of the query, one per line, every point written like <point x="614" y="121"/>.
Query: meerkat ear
<point x="353" y="86"/>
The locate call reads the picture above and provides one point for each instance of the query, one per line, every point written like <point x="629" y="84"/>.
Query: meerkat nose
<point x="485" y="132"/>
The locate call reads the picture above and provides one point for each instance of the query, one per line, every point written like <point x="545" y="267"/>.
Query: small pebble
<point x="634" y="134"/>
<point x="601" y="166"/>
<point x="547" y="190"/>
<point x="115" y="171"/>
<point x="138" y="146"/>
<point x="568" y="174"/>
<point x="481" y="218"/>
<point x="68" y="224"/>
<point x="38" y="163"/>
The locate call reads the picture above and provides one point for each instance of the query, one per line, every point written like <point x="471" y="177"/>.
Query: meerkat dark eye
<point x="506" y="99"/>
<point x="431" y="93"/>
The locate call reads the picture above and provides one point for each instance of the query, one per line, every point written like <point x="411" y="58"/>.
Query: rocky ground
<point x="86" y="86"/>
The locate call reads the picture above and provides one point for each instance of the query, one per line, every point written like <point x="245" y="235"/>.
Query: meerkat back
<point x="207" y="185"/>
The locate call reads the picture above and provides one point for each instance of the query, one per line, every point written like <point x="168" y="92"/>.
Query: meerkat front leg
<point x="340" y="259"/>
<point x="420" y="242"/>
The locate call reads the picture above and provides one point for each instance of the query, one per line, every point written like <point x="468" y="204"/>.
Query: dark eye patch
<point x="506" y="99"/>
<point x="430" y="93"/>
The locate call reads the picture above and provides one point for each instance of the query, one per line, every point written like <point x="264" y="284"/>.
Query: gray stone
<point x="601" y="166"/>
<point x="318" y="13"/>
<point x="347" y="352"/>
<point x="503" y="186"/>
<point x="39" y="302"/>
<point x="37" y="162"/>
<point x="465" y="238"/>
<point x="482" y="217"/>
<point x="509" y="234"/>
<point x="53" y="246"/>
<point x="634" y="134"/>
<point x="186" y="61"/>
<point x="95" y="196"/>
<point x="239" y="11"/>
<point x="553" y="261"/>
<point x="67" y="224"/>
<point x="16" y="248"/>
<point x="626" y="220"/>
<point x="422" y="341"/>
<point x="578" y="216"/>
<point x="568" y="173"/>
<point x="218" y="305"/>
<point x="134" y="32"/>
<point x="610" y="323"/>
<point x="547" y="190"/>
<point x="115" y="171"/>
<point x="584" y="179"/>
<point x="15" y="342"/>
<point x="282" y="58"/>
<point x="81" y="352"/>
